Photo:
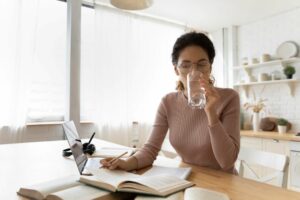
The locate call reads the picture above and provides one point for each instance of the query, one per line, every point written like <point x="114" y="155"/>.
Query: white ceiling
<point x="210" y="15"/>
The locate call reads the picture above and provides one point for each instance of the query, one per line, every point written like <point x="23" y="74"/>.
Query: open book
<point x="180" y="172"/>
<point x="67" y="188"/>
<point x="194" y="193"/>
<point x="117" y="180"/>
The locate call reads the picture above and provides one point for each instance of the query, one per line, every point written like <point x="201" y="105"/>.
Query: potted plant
<point x="282" y="125"/>
<point x="289" y="71"/>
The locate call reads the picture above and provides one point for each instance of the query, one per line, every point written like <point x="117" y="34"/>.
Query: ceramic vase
<point x="255" y="121"/>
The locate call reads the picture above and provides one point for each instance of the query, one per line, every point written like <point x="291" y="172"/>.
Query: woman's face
<point x="192" y="58"/>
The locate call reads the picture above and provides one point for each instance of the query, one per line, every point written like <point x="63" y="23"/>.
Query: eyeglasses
<point x="203" y="66"/>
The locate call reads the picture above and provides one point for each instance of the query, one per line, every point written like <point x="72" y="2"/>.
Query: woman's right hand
<point x="117" y="164"/>
<point x="127" y="165"/>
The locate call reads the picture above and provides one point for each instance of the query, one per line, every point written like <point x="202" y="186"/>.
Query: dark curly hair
<point x="193" y="38"/>
<point x="190" y="39"/>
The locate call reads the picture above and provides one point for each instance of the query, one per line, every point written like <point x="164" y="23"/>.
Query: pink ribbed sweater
<point x="197" y="143"/>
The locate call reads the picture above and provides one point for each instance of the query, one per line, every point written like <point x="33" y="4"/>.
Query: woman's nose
<point x="193" y="67"/>
<point x="196" y="73"/>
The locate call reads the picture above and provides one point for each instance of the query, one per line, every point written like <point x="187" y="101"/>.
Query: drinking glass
<point x="196" y="93"/>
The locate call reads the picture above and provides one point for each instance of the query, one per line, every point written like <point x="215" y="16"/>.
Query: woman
<point x="207" y="137"/>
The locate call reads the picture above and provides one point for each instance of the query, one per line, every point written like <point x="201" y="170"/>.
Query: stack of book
<point x="157" y="183"/>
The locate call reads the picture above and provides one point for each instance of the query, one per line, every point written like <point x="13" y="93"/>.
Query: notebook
<point x="105" y="152"/>
<point x="180" y="172"/>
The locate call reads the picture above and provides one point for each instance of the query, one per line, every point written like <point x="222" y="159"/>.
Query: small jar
<point x="245" y="61"/>
<point x="275" y="75"/>
<point x="262" y="77"/>
<point x="265" y="58"/>
<point x="254" y="61"/>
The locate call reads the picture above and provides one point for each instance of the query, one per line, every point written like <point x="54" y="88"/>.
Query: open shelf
<point x="290" y="83"/>
<point x="282" y="62"/>
<point x="268" y="82"/>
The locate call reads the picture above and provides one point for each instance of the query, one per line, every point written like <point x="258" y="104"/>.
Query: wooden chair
<point x="274" y="161"/>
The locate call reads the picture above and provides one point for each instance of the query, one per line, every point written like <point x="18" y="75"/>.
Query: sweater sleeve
<point x="225" y="135"/>
<point x="147" y="154"/>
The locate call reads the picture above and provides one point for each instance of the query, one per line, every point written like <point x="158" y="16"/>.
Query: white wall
<point x="265" y="36"/>
<point x="217" y="39"/>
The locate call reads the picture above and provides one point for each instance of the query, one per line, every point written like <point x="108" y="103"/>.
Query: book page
<point x="180" y="172"/>
<point x="51" y="186"/>
<point x="106" y="152"/>
<point x="109" y="177"/>
<point x="80" y="192"/>
<point x="197" y="193"/>
<point x="176" y="196"/>
<point x="160" y="183"/>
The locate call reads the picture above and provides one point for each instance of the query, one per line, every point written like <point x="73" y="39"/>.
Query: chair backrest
<point x="274" y="161"/>
<point x="167" y="149"/>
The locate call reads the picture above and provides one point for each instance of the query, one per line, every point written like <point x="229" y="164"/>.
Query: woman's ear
<point x="176" y="70"/>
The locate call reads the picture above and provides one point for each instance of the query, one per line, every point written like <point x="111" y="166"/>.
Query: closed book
<point x="67" y="188"/>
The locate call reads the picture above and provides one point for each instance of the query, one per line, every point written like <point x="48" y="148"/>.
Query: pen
<point x="116" y="158"/>
<point x="91" y="138"/>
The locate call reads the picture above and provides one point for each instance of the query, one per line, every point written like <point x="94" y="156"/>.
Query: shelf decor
<point x="256" y="108"/>
<point x="282" y="125"/>
<point x="284" y="63"/>
<point x="289" y="71"/>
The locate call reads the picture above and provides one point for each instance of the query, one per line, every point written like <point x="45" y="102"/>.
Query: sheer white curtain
<point x="127" y="71"/>
<point x="32" y="61"/>
<point x="10" y="73"/>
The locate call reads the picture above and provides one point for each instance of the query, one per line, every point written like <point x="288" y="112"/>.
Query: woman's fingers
<point x="210" y="92"/>
<point x="106" y="162"/>
<point x="208" y="88"/>
<point x="114" y="164"/>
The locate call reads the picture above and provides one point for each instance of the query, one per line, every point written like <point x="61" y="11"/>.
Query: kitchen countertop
<point x="271" y="135"/>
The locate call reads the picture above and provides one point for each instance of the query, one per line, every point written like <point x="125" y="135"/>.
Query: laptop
<point x="81" y="160"/>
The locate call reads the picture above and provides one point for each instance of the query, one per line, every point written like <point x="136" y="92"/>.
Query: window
<point x="32" y="60"/>
<point x="126" y="66"/>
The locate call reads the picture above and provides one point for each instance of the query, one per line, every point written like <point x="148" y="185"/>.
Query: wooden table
<point x="31" y="163"/>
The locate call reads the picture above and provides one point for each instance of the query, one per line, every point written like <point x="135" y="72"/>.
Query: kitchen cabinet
<point x="295" y="170"/>
<point x="294" y="166"/>
<point x="276" y="146"/>
<point x="285" y="147"/>
<point x="252" y="143"/>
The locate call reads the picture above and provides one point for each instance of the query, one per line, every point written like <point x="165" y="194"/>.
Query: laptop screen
<point x="75" y="145"/>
